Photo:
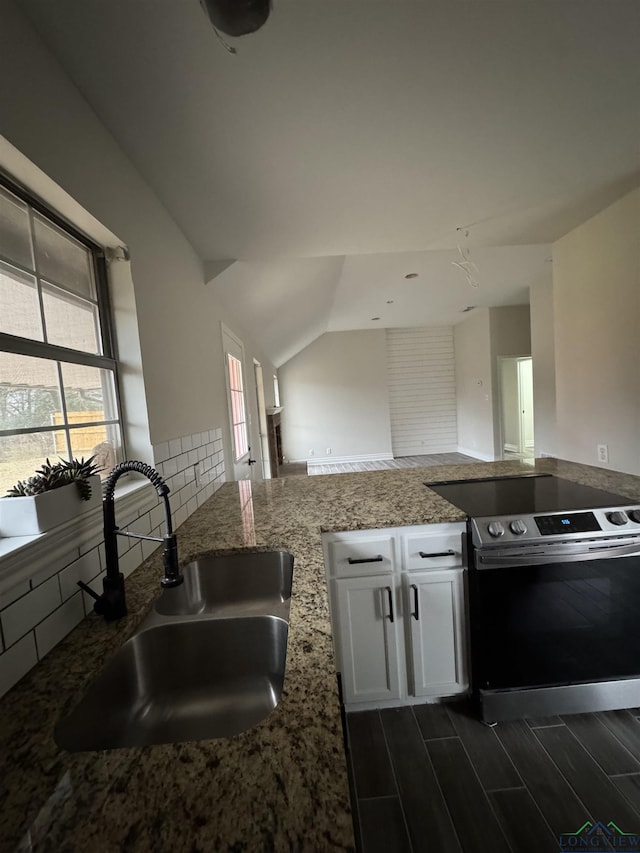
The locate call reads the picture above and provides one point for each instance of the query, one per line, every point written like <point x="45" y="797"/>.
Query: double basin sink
<point x="207" y="662"/>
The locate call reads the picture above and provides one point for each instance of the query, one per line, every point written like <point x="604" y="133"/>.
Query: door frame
<point x="262" y="419"/>
<point x="522" y="450"/>
<point x="231" y="344"/>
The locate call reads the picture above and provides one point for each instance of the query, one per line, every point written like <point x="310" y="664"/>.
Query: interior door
<point x="516" y="401"/>
<point x="235" y="378"/>
<point x="262" y="420"/>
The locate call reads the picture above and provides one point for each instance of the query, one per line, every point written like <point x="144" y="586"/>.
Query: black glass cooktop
<point x="527" y="494"/>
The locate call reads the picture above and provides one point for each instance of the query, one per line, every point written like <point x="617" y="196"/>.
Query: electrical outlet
<point x="328" y="451"/>
<point x="312" y="452"/>
<point x="603" y="453"/>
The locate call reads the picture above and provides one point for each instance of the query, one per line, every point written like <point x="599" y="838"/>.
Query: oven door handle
<point x="495" y="561"/>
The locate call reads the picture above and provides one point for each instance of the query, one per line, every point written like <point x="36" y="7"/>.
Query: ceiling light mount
<point x="468" y="267"/>
<point x="237" y="17"/>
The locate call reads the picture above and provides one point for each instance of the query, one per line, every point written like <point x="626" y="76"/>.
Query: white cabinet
<point x="366" y="621"/>
<point x="436" y="654"/>
<point x="398" y="613"/>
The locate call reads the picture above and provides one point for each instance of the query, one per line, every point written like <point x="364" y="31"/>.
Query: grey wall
<point x="596" y="288"/>
<point x="474" y="384"/>
<point x="544" y="367"/>
<point x="334" y="395"/>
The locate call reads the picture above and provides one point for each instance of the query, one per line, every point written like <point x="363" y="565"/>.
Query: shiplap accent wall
<point x="422" y="390"/>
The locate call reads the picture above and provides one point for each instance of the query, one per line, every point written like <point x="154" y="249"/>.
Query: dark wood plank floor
<point x="434" y="778"/>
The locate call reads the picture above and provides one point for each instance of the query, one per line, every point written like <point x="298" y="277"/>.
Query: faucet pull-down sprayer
<point x="112" y="603"/>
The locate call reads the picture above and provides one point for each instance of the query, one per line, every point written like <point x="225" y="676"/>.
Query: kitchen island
<point x="280" y="786"/>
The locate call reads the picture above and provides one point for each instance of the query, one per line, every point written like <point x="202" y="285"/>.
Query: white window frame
<point x="60" y="354"/>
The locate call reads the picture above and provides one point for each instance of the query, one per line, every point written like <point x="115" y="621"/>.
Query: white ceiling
<point x="348" y="141"/>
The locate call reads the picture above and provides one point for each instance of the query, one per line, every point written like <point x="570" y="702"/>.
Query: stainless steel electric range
<point x="554" y="595"/>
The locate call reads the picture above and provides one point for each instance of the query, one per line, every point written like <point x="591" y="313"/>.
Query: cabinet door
<point x="435" y="611"/>
<point x="368" y="638"/>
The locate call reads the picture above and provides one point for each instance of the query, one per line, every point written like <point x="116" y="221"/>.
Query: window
<point x="276" y="392"/>
<point x="58" y="382"/>
<point x="238" y="412"/>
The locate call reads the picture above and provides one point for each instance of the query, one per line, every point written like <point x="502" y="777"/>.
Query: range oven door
<point x="555" y="619"/>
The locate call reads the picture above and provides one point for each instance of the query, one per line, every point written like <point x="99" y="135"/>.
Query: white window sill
<point x="22" y="557"/>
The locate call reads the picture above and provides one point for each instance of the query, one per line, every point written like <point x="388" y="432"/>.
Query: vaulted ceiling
<point x="349" y="143"/>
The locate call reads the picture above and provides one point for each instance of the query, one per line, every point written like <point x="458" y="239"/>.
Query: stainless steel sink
<point x="182" y="680"/>
<point x="241" y="583"/>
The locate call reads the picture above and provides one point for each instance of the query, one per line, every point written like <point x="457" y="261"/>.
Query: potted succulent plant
<point x="54" y="494"/>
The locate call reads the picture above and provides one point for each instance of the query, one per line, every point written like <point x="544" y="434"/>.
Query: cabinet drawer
<point x="433" y="550"/>
<point x="358" y="558"/>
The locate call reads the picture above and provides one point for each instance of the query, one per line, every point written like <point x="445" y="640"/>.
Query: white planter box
<point x="27" y="516"/>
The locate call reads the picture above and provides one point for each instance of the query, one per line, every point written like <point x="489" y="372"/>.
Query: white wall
<point x="596" y="284"/>
<point x="45" y="117"/>
<point x="480" y="341"/>
<point x="474" y="385"/>
<point x="544" y="367"/>
<point x="334" y="395"/>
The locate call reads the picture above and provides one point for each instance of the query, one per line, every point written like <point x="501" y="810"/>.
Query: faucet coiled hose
<point x="140" y="468"/>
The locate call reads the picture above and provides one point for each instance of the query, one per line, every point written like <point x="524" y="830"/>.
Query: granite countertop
<point x="280" y="786"/>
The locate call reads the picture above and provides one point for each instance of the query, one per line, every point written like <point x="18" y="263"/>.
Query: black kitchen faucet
<point x="112" y="603"/>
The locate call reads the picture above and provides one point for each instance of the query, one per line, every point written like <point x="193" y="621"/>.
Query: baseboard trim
<point x="476" y="454"/>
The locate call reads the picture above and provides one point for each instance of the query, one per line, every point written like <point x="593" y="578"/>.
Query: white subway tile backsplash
<point x="156" y="516"/>
<point x="16" y="662"/>
<point x="170" y="468"/>
<point x="149" y="547"/>
<point x="21" y="616"/>
<point x="160" y="452"/>
<point x="13" y="593"/>
<point x="141" y="525"/>
<point x="35" y="616"/>
<point x="180" y="515"/>
<point x="59" y="624"/>
<point x="85" y="569"/>
<point x="175" y="447"/>
<point x="131" y="560"/>
<point x="53" y="567"/>
<point x="178" y="481"/>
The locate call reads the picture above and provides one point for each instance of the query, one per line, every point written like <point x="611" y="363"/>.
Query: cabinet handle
<point x="416" y="612"/>
<point x="424" y="554"/>
<point x="390" y="594"/>
<point x="353" y="561"/>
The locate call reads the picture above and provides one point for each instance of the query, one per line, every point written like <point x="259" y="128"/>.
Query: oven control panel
<point x="566" y="525"/>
